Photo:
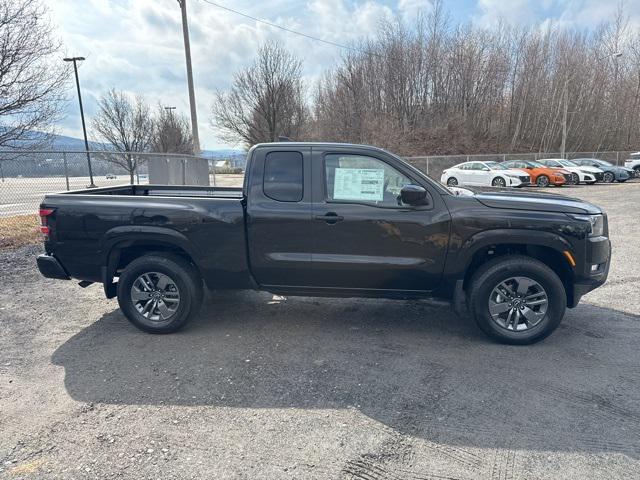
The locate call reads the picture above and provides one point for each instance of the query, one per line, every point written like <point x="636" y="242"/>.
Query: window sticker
<point x="366" y="184"/>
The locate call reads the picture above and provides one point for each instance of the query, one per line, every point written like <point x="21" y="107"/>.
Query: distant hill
<point x="62" y="142"/>
<point x="42" y="141"/>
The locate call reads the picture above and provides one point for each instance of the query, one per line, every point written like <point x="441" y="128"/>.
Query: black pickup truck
<point x="323" y="219"/>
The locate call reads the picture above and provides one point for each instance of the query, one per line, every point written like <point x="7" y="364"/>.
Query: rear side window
<point x="283" y="176"/>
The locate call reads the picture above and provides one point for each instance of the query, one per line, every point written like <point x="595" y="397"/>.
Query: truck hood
<point x="503" y="198"/>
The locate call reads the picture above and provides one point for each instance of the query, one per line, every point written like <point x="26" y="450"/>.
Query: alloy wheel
<point x="608" y="177"/>
<point x="155" y="296"/>
<point x="518" y="304"/>
<point x="499" y="182"/>
<point x="543" y="181"/>
<point x="452" y="182"/>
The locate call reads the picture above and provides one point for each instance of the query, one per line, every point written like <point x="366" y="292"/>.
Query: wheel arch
<point x="121" y="245"/>
<point x="543" y="246"/>
<point x="496" y="176"/>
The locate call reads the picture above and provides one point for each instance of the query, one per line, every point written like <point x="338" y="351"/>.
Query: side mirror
<point x="485" y="169"/>
<point x="414" y="195"/>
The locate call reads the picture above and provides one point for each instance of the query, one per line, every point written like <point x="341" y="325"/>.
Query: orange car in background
<point x="541" y="175"/>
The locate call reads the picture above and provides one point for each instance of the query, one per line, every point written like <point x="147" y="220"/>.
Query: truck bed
<point x="163" y="191"/>
<point x="89" y="227"/>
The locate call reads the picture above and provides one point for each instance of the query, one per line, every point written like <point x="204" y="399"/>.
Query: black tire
<point x="492" y="273"/>
<point x="452" y="182"/>
<point x="637" y="170"/>
<point x="575" y="179"/>
<point x="499" y="182"/>
<point x="184" y="276"/>
<point x="543" y="181"/>
<point x="608" y="177"/>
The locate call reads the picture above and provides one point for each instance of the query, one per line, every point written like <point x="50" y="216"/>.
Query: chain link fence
<point x="26" y="176"/>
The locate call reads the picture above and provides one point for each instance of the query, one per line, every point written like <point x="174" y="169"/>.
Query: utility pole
<point x="84" y="128"/>
<point x="192" y="98"/>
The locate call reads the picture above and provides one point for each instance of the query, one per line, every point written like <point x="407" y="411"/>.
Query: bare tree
<point x="440" y="88"/>
<point x="32" y="82"/>
<point x="125" y="125"/>
<point x="265" y="100"/>
<point x="171" y="133"/>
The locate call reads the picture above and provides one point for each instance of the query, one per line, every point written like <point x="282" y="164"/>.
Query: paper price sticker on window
<point x="366" y="184"/>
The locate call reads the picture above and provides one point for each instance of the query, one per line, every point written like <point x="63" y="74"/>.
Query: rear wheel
<point x="452" y="182"/>
<point x="608" y="177"/>
<point x="499" y="182"/>
<point x="516" y="299"/>
<point x="637" y="171"/>
<point x="159" y="293"/>
<point x="542" y="181"/>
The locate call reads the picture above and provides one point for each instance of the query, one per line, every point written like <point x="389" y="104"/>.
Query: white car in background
<point x="486" y="174"/>
<point x="579" y="173"/>
<point x="633" y="162"/>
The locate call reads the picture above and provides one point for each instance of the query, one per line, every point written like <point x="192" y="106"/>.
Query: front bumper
<point x="622" y="176"/>
<point x="50" y="267"/>
<point x="588" y="178"/>
<point x="598" y="252"/>
<point x="519" y="181"/>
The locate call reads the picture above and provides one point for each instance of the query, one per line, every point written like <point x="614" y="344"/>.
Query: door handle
<point x="330" y="218"/>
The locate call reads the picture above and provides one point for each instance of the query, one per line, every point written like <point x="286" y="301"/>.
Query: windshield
<point x="535" y="164"/>
<point x="567" y="163"/>
<point x="495" y="166"/>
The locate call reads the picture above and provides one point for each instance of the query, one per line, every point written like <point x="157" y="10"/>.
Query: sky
<point x="137" y="46"/>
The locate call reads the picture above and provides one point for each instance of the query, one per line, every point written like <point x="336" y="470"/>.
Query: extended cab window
<point x="283" y="176"/>
<point x="362" y="179"/>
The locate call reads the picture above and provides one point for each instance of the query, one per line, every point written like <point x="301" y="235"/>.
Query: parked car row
<point x="543" y="173"/>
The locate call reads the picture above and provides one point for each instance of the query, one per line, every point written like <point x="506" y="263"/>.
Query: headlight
<point x="596" y="223"/>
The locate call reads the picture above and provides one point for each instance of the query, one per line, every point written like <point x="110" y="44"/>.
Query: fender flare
<point x="473" y="244"/>
<point x="123" y="236"/>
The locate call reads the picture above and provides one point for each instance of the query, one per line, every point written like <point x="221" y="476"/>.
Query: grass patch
<point x="19" y="230"/>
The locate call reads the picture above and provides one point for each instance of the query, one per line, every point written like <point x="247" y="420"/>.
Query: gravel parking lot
<point x="265" y="387"/>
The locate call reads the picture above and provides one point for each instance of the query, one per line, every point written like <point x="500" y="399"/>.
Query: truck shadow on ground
<point x="413" y="366"/>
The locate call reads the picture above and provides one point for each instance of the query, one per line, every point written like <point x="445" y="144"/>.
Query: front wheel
<point x="452" y="182"/>
<point x="542" y="181"/>
<point x="608" y="177"/>
<point x="499" y="182"/>
<point x="575" y="179"/>
<point x="516" y="299"/>
<point x="159" y="293"/>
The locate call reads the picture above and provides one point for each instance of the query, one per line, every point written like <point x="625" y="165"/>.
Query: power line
<point x="275" y="25"/>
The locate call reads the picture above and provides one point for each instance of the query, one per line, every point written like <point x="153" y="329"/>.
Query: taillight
<point x="45" y="213"/>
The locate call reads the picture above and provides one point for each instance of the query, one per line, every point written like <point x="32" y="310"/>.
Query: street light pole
<point x="192" y="97"/>
<point x="84" y="128"/>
